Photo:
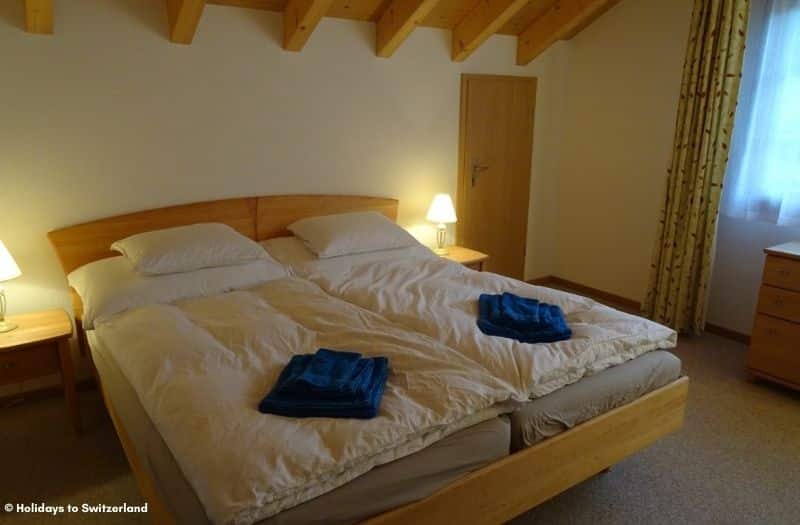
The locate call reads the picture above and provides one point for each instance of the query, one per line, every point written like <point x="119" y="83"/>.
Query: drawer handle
<point x="784" y="272"/>
<point x="778" y="302"/>
<point x="9" y="366"/>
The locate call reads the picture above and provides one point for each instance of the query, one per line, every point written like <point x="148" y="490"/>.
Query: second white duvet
<point x="422" y="292"/>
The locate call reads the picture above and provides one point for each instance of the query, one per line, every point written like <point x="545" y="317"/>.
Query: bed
<point x="497" y="487"/>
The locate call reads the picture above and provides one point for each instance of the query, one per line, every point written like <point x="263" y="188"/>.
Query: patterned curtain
<point x="681" y="267"/>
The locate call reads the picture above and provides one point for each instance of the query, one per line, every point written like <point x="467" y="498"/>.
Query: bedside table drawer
<point x="28" y="363"/>
<point x="782" y="272"/>
<point x="779" y="303"/>
<point x="774" y="349"/>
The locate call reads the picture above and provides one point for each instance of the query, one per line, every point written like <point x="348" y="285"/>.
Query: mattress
<point x="388" y="486"/>
<point x="590" y="397"/>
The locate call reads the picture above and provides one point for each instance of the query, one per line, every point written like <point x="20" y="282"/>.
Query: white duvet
<point x="201" y="366"/>
<point x="433" y="296"/>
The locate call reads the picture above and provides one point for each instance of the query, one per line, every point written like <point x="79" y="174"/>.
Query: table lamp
<point x="8" y="270"/>
<point x="441" y="212"/>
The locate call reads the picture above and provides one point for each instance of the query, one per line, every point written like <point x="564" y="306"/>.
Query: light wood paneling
<point x="36" y="328"/>
<point x="561" y="21"/>
<point x="447" y="13"/>
<point x="780" y="303"/>
<point x="39" y="16"/>
<point x="300" y="18"/>
<point x="68" y="379"/>
<point x="509" y="487"/>
<point x="775" y="344"/>
<point x="38" y="347"/>
<point x="358" y="9"/>
<point x="184" y="16"/>
<point x="470" y="258"/>
<point x="782" y="272"/>
<point x="496" y="141"/>
<point x="526" y="16"/>
<point x="484" y="20"/>
<point x="264" y="5"/>
<point x="775" y="349"/>
<point x="277" y="212"/>
<point x="397" y="22"/>
<point x="27" y="363"/>
<point x="351" y="9"/>
<point x="84" y="243"/>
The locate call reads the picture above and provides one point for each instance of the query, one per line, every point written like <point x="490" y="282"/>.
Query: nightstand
<point x="469" y="258"/>
<point x="38" y="347"/>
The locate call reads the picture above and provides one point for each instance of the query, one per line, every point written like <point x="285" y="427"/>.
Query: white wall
<point x="107" y="116"/>
<point x="623" y="83"/>
<point x="738" y="266"/>
<point x="622" y="76"/>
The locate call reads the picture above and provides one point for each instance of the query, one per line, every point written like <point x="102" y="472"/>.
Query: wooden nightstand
<point x="774" y="351"/>
<point x="40" y="347"/>
<point x="469" y="258"/>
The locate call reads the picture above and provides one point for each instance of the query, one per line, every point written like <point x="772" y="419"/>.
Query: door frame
<point x="462" y="172"/>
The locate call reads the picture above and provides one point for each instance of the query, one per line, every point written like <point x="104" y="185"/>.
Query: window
<point x="763" y="179"/>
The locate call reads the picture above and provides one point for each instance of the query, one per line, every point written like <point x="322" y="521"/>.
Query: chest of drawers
<point x="775" y="344"/>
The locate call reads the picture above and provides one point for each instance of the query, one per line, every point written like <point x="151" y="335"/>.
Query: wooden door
<point x="495" y="168"/>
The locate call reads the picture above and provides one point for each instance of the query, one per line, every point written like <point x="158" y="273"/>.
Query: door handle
<point x="477" y="169"/>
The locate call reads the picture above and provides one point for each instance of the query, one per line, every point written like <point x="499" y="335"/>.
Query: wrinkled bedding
<point x="200" y="367"/>
<point x="439" y="298"/>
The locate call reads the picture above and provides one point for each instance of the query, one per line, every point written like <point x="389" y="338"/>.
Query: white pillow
<point x="348" y="233"/>
<point x="293" y="253"/>
<point x="187" y="248"/>
<point x="111" y="286"/>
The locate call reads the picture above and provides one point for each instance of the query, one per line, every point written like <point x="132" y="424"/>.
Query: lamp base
<point x="441" y="238"/>
<point x="5" y="326"/>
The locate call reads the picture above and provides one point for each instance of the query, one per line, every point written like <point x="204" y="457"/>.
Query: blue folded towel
<point x="328" y="384"/>
<point x="520" y="318"/>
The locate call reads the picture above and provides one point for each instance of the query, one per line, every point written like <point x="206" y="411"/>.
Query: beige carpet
<point x="737" y="460"/>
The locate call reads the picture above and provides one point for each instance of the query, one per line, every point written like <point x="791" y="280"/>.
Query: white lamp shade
<point x="442" y="210"/>
<point x="8" y="267"/>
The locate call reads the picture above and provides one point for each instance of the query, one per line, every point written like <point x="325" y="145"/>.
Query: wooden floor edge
<point x="727" y="333"/>
<point x="600" y="295"/>
<point x="628" y="304"/>
<point x="509" y="487"/>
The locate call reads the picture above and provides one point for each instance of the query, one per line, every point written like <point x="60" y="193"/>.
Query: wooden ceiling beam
<point x="184" y="16"/>
<point x="562" y="21"/>
<point x="300" y="18"/>
<point x="39" y="16"/>
<point x="484" y="20"/>
<point x="398" y="21"/>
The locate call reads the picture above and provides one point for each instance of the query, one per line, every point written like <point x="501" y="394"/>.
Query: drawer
<point x="775" y="348"/>
<point x="782" y="272"/>
<point x="28" y="363"/>
<point x="779" y="303"/>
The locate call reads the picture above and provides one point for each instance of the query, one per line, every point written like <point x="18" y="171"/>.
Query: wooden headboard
<point x="258" y="218"/>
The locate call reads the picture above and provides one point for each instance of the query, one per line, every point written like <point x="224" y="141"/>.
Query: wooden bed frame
<point x="491" y="495"/>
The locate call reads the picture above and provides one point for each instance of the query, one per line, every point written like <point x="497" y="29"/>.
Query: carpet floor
<point x="736" y="461"/>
